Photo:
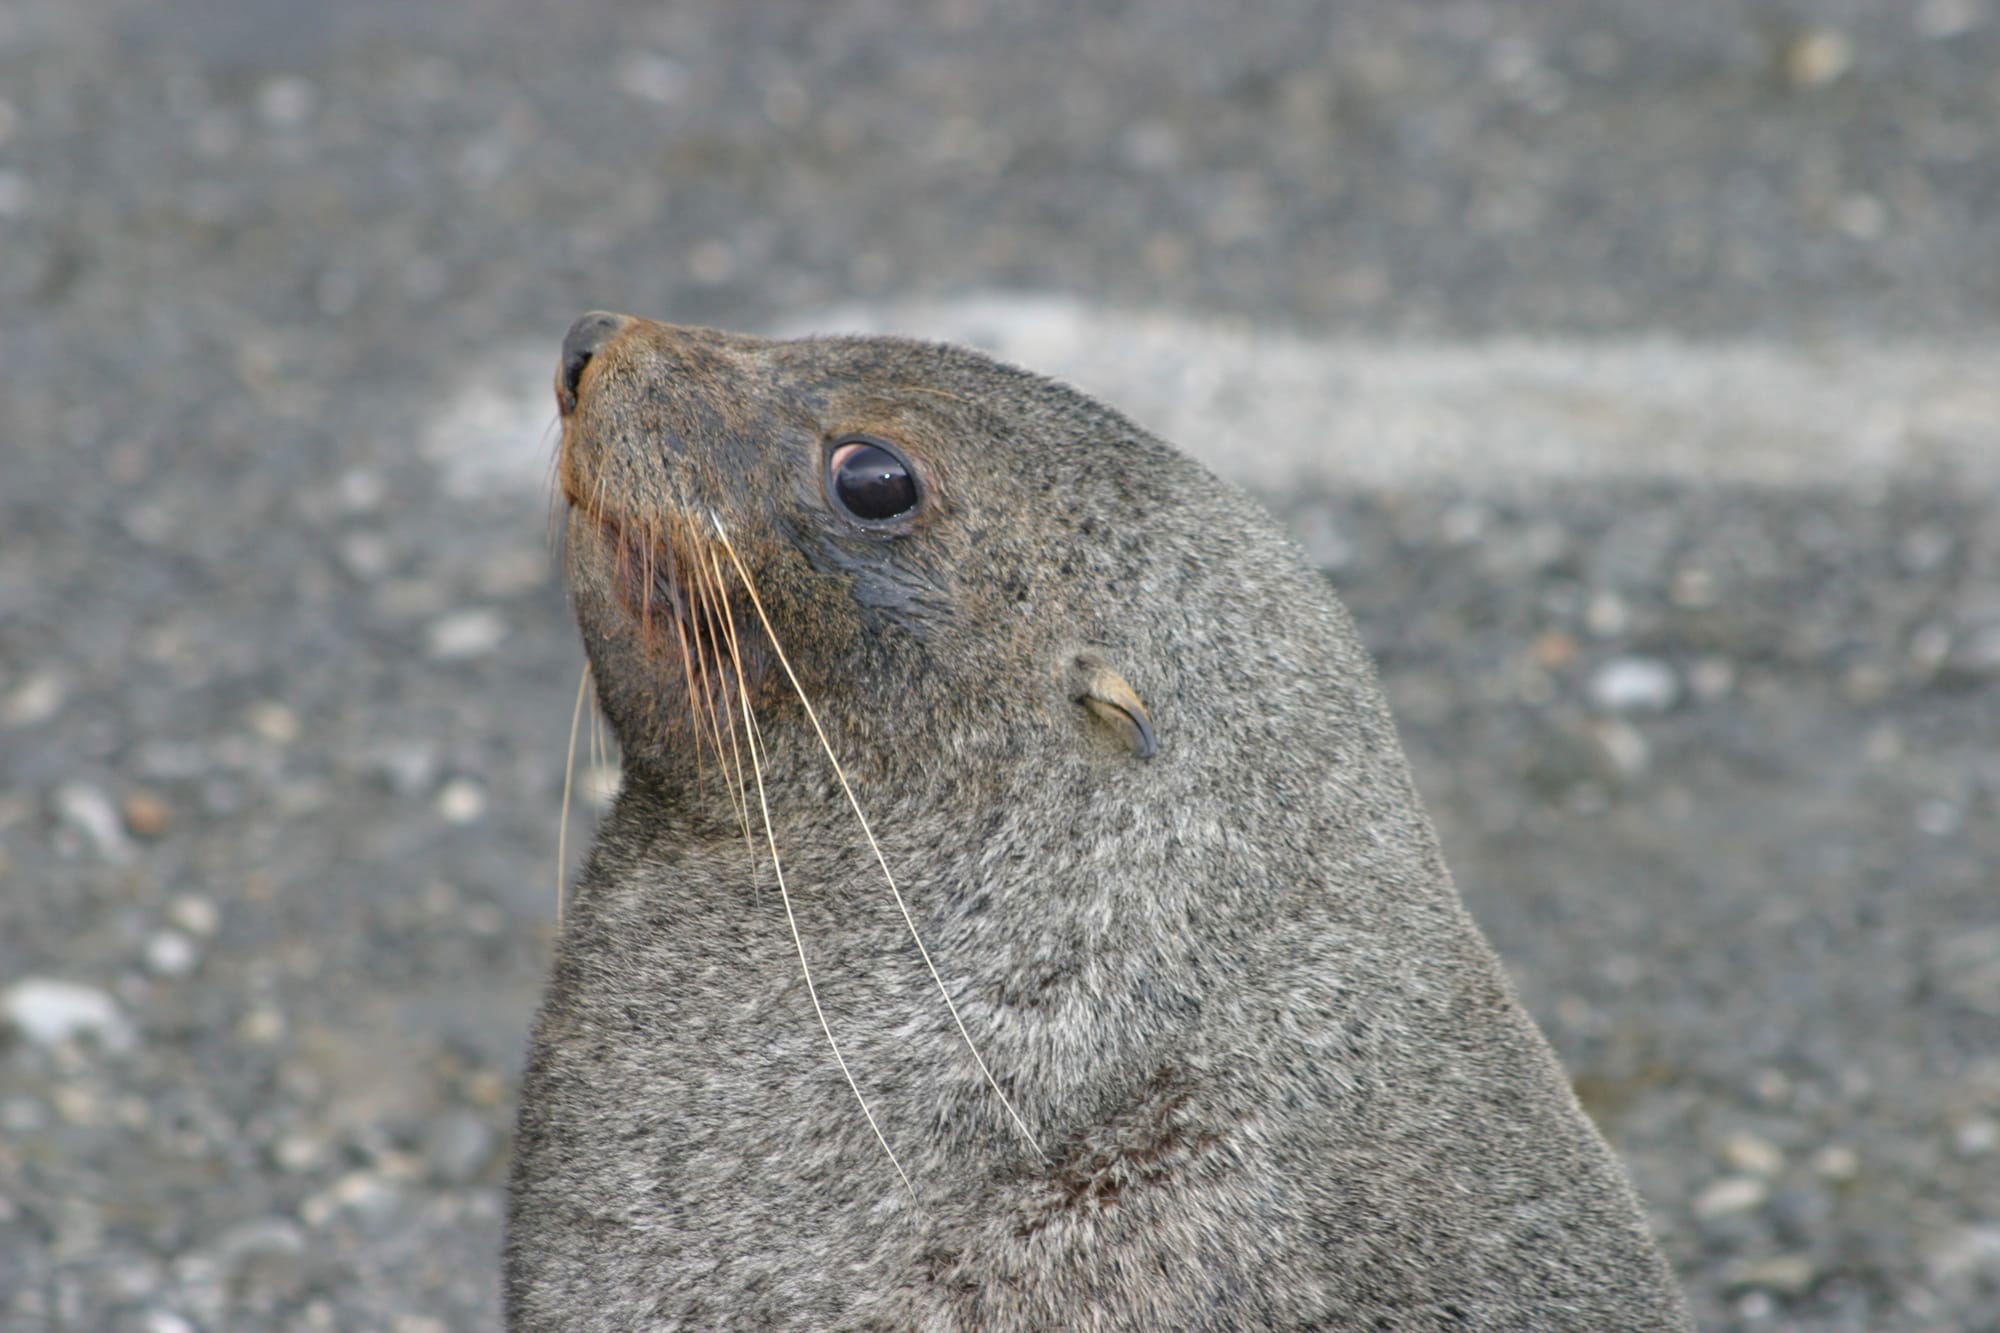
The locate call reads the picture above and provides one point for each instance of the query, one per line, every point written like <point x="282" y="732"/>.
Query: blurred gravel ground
<point x="283" y="701"/>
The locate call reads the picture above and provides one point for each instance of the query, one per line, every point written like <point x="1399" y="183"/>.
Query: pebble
<point x="466" y="634"/>
<point x="1606" y="616"/>
<point x="1923" y="549"/>
<point x="88" y="810"/>
<point x="362" y="1194"/>
<point x="287" y="102"/>
<point x="419" y="1323"/>
<point x="1785" y="1274"/>
<point x="1730" y="1195"/>
<point x="1623" y="750"/>
<point x="1976" y="1137"/>
<point x="194" y="914"/>
<point x="261" y="1026"/>
<point x="299" y="1153"/>
<point x="147" y="814"/>
<point x="165" y="1321"/>
<point x="408" y="767"/>
<point x="457" y="1147"/>
<point x="1929" y="646"/>
<point x="1967" y="1254"/>
<point x="652" y="78"/>
<point x="1977" y="654"/>
<point x="1693" y="588"/>
<point x="274" y="722"/>
<point x="1752" y="1156"/>
<point x="1554" y="649"/>
<point x="461" y="801"/>
<point x="1941" y="20"/>
<point x="171" y="954"/>
<point x="22" y="1115"/>
<point x="49" y="1012"/>
<point x="1837" y="1163"/>
<point x="366" y="555"/>
<point x="1635" y="685"/>
<point x="1967" y="967"/>
<point x="1801" y="1212"/>
<point x="266" y="1261"/>
<point x="1817" y="57"/>
<point x="36" y="699"/>
<point x="1711" y="678"/>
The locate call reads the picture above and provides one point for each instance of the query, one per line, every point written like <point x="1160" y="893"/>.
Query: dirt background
<point x="1629" y="366"/>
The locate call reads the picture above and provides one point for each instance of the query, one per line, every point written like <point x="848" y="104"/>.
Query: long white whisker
<point x="569" y="777"/>
<point x="752" y="740"/>
<point x="908" y="920"/>
<point x="741" y="803"/>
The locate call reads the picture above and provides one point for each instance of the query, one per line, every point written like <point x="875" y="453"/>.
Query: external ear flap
<point x="1096" y="684"/>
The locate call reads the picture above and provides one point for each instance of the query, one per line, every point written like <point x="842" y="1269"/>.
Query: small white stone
<point x="1635" y="685"/>
<point x="1606" y="615"/>
<point x="262" y="1025"/>
<point x="1463" y="524"/>
<point x="1786" y="1274"/>
<point x="366" y="555"/>
<point x="298" y="1153"/>
<point x="49" y="1012"/>
<point x="1623" y="747"/>
<point x="194" y="914"/>
<point x="465" y="634"/>
<point x="87" y="809"/>
<point x="361" y="490"/>
<point x="419" y="1323"/>
<point x="461" y="801"/>
<point x="287" y="102"/>
<point x="16" y="194"/>
<point x="1939" y="818"/>
<point x="362" y="1194"/>
<point x="36" y="699"/>
<point x="1976" y="1137"/>
<point x="1731" y="1194"/>
<point x="169" y="953"/>
<point x="166" y="1321"/>
<point x="1752" y="1155"/>
<point x="1943" y="19"/>
<point x="1818" y="57"/>
<point x="652" y="78"/>
<point x="274" y="722"/>
<point x="1837" y="1163"/>
<point x="22" y="1115"/>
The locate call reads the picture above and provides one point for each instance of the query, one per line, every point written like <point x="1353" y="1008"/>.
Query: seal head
<point x="1143" y="965"/>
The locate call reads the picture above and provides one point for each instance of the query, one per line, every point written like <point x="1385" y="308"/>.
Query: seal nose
<point x="580" y="344"/>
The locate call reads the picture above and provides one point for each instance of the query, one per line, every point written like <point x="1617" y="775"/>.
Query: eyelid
<point x="842" y="451"/>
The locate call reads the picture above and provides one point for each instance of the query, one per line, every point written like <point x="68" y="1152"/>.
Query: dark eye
<point x="870" y="481"/>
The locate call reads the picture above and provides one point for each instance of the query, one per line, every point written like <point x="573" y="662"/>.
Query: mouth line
<point x="650" y="572"/>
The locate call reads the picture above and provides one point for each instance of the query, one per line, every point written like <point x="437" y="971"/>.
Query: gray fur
<point x="1280" y="1079"/>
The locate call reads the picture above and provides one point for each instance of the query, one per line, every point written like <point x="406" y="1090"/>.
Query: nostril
<point x="579" y="345"/>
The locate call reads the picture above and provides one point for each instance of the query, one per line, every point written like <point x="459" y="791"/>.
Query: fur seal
<point x="1018" y="913"/>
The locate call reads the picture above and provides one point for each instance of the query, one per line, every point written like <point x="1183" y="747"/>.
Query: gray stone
<point x="457" y="1147"/>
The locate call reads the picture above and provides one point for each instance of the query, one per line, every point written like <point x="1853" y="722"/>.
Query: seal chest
<point x="1017" y="912"/>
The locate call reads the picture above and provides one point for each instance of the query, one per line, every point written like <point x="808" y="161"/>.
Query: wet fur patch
<point x="1144" y="1146"/>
